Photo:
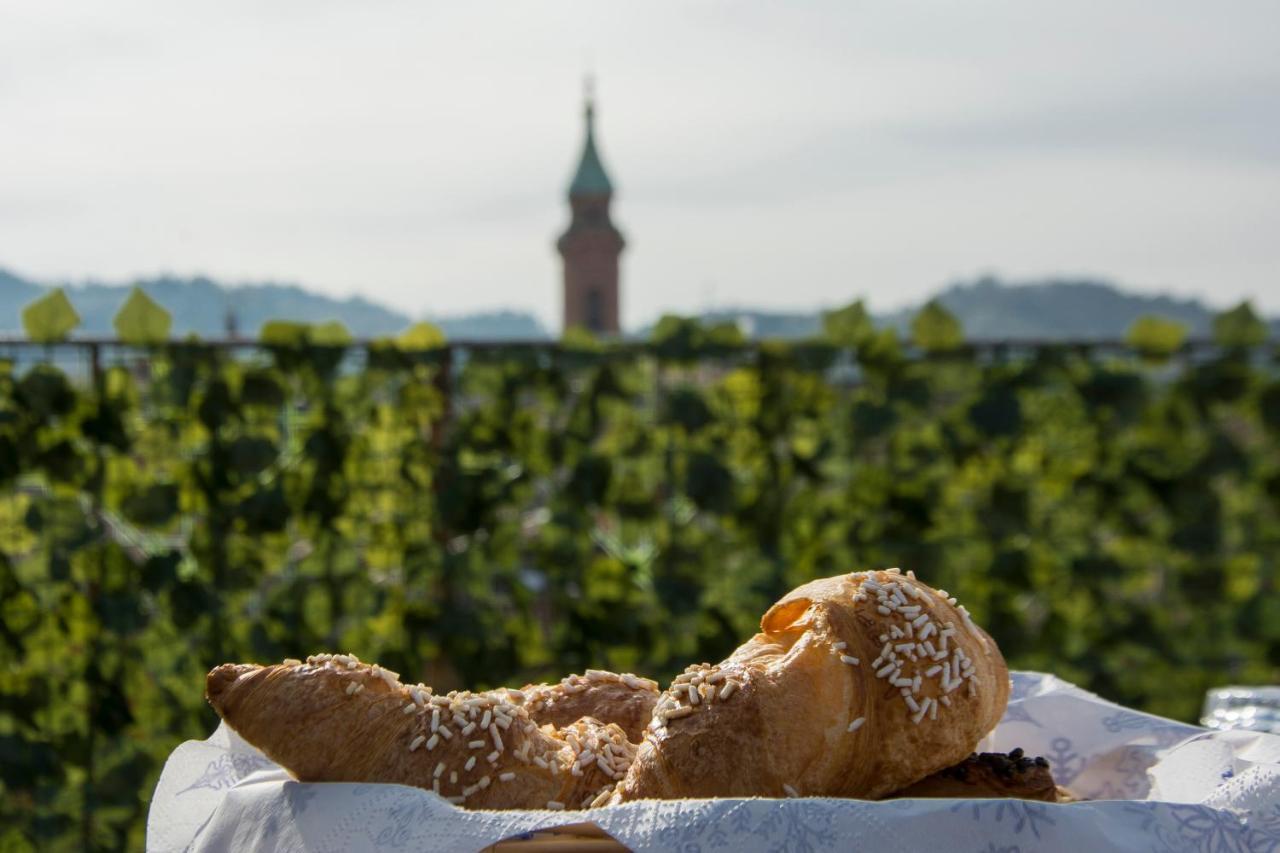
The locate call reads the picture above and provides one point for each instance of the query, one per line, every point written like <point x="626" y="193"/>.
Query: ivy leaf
<point x="872" y="419"/>
<point x="141" y="320"/>
<point x="46" y="393"/>
<point x="331" y="334"/>
<point x="153" y="505"/>
<point x="1269" y="407"/>
<point x="106" y="425"/>
<point x="849" y="326"/>
<point x="589" y="482"/>
<point x="997" y="413"/>
<point x="1239" y="327"/>
<point x="260" y="388"/>
<point x="708" y="483"/>
<point x="685" y="406"/>
<point x="1155" y="337"/>
<point x="578" y="339"/>
<point x="421" y="336"/>
<point x="50" y="318"/>
<point x="935" y="329"/>
<point x="677" y="338"/>
<point x="284" y="333"/>
<point x="725" y="335"/>
<point x="251" y="454"/>
<point x="880" y="350"/>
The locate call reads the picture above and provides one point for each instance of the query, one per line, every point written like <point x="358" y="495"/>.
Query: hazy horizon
<point x="766" y="156"/>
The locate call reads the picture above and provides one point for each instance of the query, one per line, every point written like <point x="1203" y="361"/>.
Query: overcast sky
<point x="765" y="153"/>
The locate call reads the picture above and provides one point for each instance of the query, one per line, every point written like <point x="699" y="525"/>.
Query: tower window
<point x="595" y="310"/>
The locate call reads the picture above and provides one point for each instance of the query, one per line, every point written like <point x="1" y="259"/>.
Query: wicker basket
<point x="575" y="838"/>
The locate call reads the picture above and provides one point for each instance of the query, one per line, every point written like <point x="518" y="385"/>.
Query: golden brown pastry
<point x="857" y="686"/>
<point x="624" y="699"/>
<point x="335" y="719"/>
<point x="989" y="775"/>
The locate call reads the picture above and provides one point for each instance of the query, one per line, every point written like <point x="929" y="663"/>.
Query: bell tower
<point x="591" y="245"/>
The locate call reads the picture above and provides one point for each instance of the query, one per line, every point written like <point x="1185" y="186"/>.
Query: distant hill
<point x="492" y="326"/>
<point x="200" y="305"/>
<point x="768" y="324"/>
<point x="14" y="294"/>
<point x="1056" y="309"/>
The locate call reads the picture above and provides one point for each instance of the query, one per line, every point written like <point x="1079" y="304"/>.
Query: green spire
<point x="590" y="179"/>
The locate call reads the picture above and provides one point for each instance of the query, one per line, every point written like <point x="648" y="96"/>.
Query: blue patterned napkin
<point x="1151" y="784"/>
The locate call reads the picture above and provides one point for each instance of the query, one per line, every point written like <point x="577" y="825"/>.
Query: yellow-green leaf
<point x="725" y="335"/>
<point x="421" y="336"/>
<point x="284" y="333"/>
<point x="850" y="326"/>
<point x="141" y="320"/>
<point x="580" y="339"/>
<point x="1156" y="337"/>
<point x="935" y="329"/>
<point x="331" y="334"/>
<point x="1239" y="327"/>
<point x="50" y="318"/>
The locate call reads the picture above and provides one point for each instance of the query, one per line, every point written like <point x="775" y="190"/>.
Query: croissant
<point x="624" y="699"/>
<point x="857" y="686"/>
<point x="335" y="719"/>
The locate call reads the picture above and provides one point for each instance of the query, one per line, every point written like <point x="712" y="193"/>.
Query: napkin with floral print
<point x="1145" y="783"/>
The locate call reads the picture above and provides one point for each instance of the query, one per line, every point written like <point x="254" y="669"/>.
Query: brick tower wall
<point x="591" y="262"/>
<point x="590" y="249"/>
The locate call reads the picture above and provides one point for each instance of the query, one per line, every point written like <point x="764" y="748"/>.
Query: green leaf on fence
<point x="153" y="505"/>
<point x="686" y="407"/>
<point x="589" y="482"/>
<point x="849" y="326"/>
<point x="106" y="425"/>
<point x="997" y="413"/>
<point x="331" y="334"/>
<point x="880" y="350"/>
<point x="284" y="333"/>
<point x="421" y="336"/>
<point x="261" y="388"/>
<point x="46" y="393"/>
<point x="708" y="483"/>
<point x="1239" y="327"/>
<point x="251" y="454"/>
<point x="935" y="329"/>
<point x="579" y="339"/>
<point x="1269" y="407"/>
<point x="677" y="338"/>
<point x="1156" y="337"/>
<point x="141" y="320"/>
<point x="725" y="335"/>
<point x="50" y="318"/>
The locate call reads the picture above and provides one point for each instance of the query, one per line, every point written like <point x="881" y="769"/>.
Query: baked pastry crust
<point x="621" y="698"/>
<point x="335" y="719"/>
<point x="856" y="686"/>
<point x="989" y="775"/>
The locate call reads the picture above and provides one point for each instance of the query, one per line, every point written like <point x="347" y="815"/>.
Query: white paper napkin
<point x="1153" y="784"/>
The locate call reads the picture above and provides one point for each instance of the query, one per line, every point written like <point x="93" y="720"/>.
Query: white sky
<point x="786" y="155"/>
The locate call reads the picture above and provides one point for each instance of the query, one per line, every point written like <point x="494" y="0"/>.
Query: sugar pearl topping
<point x="918" y="656"/>
<point x="540" y="696"/>
<point x="492" y="724"/>
<point x="699" y="687"/>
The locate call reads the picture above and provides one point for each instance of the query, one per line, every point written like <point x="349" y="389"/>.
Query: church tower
<point x="591" y="245"/>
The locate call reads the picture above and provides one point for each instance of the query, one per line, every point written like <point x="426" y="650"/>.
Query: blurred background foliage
<point x="486" y="516"/>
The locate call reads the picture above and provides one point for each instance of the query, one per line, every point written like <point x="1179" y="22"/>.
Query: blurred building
<point x="590" y="247"/>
